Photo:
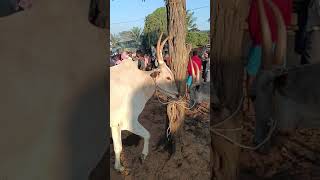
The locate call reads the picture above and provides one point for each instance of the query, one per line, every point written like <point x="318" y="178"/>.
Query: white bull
<point x="130" y="89"/>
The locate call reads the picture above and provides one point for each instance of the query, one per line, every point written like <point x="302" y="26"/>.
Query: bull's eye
<point x="169" y="78"/>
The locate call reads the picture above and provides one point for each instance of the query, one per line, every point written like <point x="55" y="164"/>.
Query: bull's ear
<point x="155" y="74"/>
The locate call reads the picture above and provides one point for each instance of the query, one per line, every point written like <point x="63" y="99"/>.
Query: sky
<point x="125" y="14"/>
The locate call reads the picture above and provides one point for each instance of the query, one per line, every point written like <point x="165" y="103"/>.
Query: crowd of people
<point x="148" y="61"/>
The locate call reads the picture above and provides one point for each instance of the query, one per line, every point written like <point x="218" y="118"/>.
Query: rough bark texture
<point x="177" y="46"/>
<point x="176" y="11"/>
<point x="228" y="18"/>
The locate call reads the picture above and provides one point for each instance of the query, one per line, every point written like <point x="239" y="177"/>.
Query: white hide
<point x="130" y="89"/>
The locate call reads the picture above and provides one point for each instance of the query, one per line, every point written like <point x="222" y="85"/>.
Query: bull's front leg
<point x="117" y="145"/>
<point x="139" y="130"/>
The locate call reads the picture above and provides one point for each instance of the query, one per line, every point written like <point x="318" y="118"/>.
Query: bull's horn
<point x="160" y="47"/>
<point x="266" y="36"/>
<point x="192" y="70"/>
<point x="198" y="73"/>
<point x="280" y="50"/>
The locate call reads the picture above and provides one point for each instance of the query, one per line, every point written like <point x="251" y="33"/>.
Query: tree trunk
<point x="228" y="18"/>
<point x="176" y="10"/>
<point x="176" y="14"/>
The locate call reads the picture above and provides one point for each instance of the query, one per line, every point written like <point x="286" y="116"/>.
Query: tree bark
<point x="176" y="10"/>
<point x="227" y="22"/>
<point x="179" y="53"/>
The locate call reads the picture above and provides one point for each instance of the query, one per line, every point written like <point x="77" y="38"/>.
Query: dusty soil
<point x="192" y="163"/>
<point x="293" y="156"/>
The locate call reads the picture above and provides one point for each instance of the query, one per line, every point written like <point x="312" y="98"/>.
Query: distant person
<point x="117" y="59"/>
<point x="149" y="63"/>
<point x="208" y="69"/>
<point x="134" y="55"/>
<point x="195" y="58"/>
<point x="205" y="59"/>
<point x="167" y="59"/>
<point x="142" y="63"/>
<point x="123" y="56"/>
<point x="310" y="28"/>
<point x="111" y="62"/>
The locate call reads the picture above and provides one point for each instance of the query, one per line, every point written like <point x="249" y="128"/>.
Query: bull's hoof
<point x="143" y="157"/>
<point x="126" y="172"/>
<point x="120" y="169"/>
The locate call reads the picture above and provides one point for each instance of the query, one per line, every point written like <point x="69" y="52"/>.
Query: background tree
<point x="114" y="39"/>
<point x="197" y="39"/>
<point x="133" y="35"/>
<point x="228" y="19"/>
<point x="156" y="22"/>
<point x="191" y="21"/>
<point x="179" y="52"/>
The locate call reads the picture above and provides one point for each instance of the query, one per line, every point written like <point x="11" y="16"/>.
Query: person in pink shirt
<point x="124" y="55"/>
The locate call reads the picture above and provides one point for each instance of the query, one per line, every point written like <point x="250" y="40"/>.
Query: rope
<point x="216" y="130"/>
<point x="235" y="129"/>
<point x="233" y="114"/>
<point x="245" y="146"/>
<point x="180" y="102"/>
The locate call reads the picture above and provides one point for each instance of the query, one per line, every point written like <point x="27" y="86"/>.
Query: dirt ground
<point x="194" y="162"/>
<point x="293" y="156"/>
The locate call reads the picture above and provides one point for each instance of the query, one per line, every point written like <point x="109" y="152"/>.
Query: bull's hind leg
<point x="138" y="129"/>
<point x="117" y="144"/>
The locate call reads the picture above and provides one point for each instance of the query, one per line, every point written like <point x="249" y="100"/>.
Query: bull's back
<point x="53" y="110"/>
<point x="127" y="99"/>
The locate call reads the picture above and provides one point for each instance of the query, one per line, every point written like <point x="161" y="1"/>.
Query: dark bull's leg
<point x="98" y="13"/>
<point x="263" y="104"/>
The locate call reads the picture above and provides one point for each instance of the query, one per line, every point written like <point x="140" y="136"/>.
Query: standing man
<point x="310" y="51"/>
<point x="142" y="60"/>
<point x="205" y="60"/>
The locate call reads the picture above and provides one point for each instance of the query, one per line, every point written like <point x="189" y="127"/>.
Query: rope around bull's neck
<point x="179" y="101"/>
<point x="215" y="130"/>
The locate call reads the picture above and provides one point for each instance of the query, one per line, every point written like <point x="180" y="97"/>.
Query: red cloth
<point x="197" y="60"/>
<point x="285" y="7"/>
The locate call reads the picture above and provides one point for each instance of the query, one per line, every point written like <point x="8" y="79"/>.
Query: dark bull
<point x="200" y="91"/>
<point x="290" y="96"/>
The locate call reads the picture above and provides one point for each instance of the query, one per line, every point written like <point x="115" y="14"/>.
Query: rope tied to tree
<point x="273" y="126"/>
